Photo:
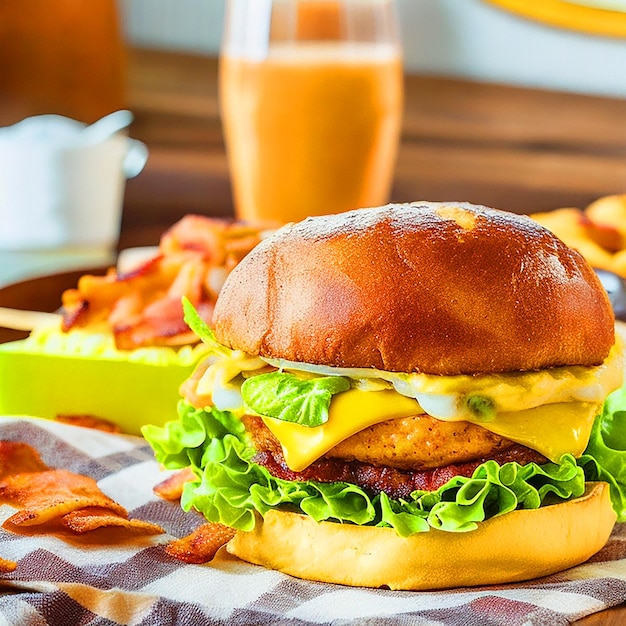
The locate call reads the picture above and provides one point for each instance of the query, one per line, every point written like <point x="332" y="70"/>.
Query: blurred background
<point x="501" y="108"/>
<point x="464" y="38"/>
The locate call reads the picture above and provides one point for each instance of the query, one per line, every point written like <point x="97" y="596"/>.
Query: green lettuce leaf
<point x="202" y="329"/>
<point x="230" y="488"/>
<point x="184" y="442"/>
<point x="605" y="456"/>
<point x="289" y="398"/>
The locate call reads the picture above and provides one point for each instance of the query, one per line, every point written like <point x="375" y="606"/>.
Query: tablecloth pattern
<point x="136" y="582"/>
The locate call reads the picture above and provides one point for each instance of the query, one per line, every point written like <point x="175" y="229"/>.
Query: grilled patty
<point x="372" y="473"/>
<point x="419" y="442"/>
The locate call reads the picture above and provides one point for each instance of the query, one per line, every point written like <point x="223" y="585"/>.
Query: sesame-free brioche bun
<point x="520" y="545"/>
<point x="439" y="288"/>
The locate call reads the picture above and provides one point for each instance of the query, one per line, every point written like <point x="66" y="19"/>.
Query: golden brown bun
<point x="430" y="287"/>
<point x="517" y="546"/>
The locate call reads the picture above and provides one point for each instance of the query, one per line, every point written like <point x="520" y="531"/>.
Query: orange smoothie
<point x="313" y="128"/>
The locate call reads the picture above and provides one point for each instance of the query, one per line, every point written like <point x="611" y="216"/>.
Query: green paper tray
<point x="129" y="389"/>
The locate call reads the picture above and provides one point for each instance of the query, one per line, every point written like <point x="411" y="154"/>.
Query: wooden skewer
<point x="18" y="319"/>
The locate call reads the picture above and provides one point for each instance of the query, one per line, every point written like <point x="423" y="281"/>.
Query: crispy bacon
<point x="375" y="479"/>
<point x="73" y="309"/>
<point x="142" y="307"/>
<point x="17" y="457"/>
<point x="48" y="498"/>
<point x="89" y="421"/>
<point x="7" y="566"/>
<point x="95" y="517"/>
<point x="172" y="487"/>
<point x="141" y="269"/>
<point x="202" y="544"/>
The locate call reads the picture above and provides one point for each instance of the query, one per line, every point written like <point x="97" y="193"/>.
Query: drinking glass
<point x="311" y="98"/>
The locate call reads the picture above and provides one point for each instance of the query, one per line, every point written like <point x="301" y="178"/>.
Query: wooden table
<point x="518" y="149"/>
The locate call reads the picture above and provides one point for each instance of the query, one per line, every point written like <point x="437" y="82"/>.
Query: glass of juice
<point x="311" y="99"/>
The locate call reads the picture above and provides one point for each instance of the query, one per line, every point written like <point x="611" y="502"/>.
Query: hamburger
<point x="410" y="396"/>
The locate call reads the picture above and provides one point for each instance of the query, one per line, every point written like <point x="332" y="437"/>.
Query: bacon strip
<point x="172" y="487"/>
<point x="47" y="498"/>
<point x="202" y="544"/>
<point x="375" y="479"/>
<point x="92" y="518"/>
<point x="17" y="457"/>
<point x="142" y="307"/>
<point x="7" y="566"/>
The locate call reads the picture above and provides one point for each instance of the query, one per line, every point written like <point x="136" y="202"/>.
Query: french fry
<point x="598" y="232"/>
<point x="608" y="214"/>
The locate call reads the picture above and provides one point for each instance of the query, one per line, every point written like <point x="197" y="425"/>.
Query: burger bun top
<point x="439" y="288"/>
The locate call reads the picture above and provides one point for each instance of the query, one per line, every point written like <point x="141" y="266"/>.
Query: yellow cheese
<point x="551" y="411"/>
<point x="449" y="397"/>
<point x="552" y="429"/>
<point x="349" y="412"/>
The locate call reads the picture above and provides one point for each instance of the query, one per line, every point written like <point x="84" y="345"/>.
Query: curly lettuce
<point x="230" y="488"/>
<point x="605" y="456"/>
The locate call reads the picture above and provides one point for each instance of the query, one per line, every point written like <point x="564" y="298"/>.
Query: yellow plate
<point x="599" y="17"/>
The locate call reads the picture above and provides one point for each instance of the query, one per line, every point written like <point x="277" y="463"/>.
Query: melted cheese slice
<point x="552" y="429"/>
<point x="349" y="412"/>
<point x="551" y="411"/>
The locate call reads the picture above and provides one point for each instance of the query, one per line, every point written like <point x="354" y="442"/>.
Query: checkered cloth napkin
<point x="136" y="582"/>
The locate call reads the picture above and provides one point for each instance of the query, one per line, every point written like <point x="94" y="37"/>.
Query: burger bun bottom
<point x="520" y="545"/>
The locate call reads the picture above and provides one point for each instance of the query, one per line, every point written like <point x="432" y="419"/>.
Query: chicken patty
<point x="397" y="456"/>
<point x="419" y="442"/>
